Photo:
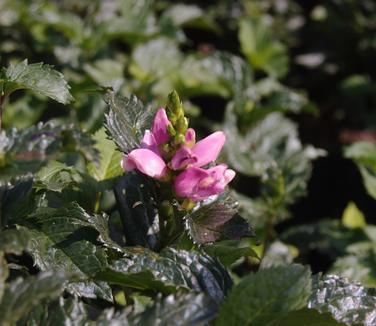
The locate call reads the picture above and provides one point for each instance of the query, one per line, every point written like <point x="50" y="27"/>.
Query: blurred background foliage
<point x="291" y="82"/>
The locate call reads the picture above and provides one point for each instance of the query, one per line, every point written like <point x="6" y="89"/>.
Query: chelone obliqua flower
<point x="186" y="166"/>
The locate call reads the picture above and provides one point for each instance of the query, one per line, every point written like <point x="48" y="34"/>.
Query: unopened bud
<point x="179" y="139"/>
<point x="182" y="125"/>
<point x="171" y="130"/>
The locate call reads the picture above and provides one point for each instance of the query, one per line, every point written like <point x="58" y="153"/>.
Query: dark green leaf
<point x="127" y="120"/>
<point x="307" y="317"/>
<point x="350" y="303"/>
<point x="229" y="251"/>
<point x="169" y="271"/>
<point x="22" y="295"/>
<point x="215" y="220"/>
<point x="263" y="297"/>
<point x="64" y="240"/>
<point x="135" y="198"/>
<point x="39" y="78"/>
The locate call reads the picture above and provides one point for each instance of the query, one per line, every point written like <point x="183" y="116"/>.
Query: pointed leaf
<point x="127" y="120"/>
<point x="265" y="296"/>
<point x="39" y="78"/>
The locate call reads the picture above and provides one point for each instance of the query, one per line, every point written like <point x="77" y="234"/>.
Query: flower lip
<point x="145" y="161"/>
<point x="208" y="149"/>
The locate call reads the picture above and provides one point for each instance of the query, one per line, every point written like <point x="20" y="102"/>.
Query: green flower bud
<point x="171" y="130"/>
<point x="182" y="125"/>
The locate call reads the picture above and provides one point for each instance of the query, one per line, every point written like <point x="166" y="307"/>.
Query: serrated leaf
<point x="64" y="240"/>
<point x="262" y="298"/>
<point x="14" y="241"/>
<point x="350" y="303"/>
<point x="169" y="271"/>
<point x="22" y="295"/>
<point x="109" y="158"/>
<point x="127" y="120"/>
<point x="135" y="195"/>
<point x="39" y="78"/>
<point x="215" y="220"/>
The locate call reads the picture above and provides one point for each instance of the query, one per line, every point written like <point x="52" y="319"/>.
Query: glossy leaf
<point x="22" y="295"/>
<point x="215" y="219"/>
<point x="266" y="296"/>
<point x="37" y="77"/>
<point x="350" y="303"/>
<point x="127" y="120"/>
<point x="64" y="240"/>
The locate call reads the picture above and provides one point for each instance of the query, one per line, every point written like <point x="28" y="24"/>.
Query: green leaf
<point x="64" y="240"/>
<point x="352" y="217"/>
<point x="307" y="317"/>
<point x="14" y="241"/>
<point x="215" y="220"/>
<point x="271" y="150"/>
<point x="262" y="50"/>
<point x="350" y="303"/>
<point x="229" y="251"/>
<point x="22" y="295"/>
<point x="359" y="264"/>
<point x="364" y="155"/>
<point x="181" y="309"/>
<point x="262" y="298"/>
<point x="109" y="158"/>
<point x="127" y="120"/>
<point x="135" y="195"/>
<point x="60" y="312"/>
<point x="168" y="272"/>
<point x="39" y="78"/>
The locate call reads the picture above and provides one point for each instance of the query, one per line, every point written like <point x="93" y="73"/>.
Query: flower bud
<point x="182" y="125"/>
<point x="171" y="130"/>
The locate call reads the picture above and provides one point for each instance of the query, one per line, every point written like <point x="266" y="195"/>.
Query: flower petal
<point x="160" y="124"/>
<point x="208" y="149"/>
<point x="186" y="183"/>
<point x="182" y="158"/>
<point x="148" y="162"/>
<point x="190" y="137"/>
<point x="149" y="142"/>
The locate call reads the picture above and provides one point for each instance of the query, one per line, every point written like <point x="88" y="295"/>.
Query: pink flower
<point x="198" y="184"/>
<point x="204" y="152"/>
<point x="145" y="161"/>
<point x="160" y="124"/>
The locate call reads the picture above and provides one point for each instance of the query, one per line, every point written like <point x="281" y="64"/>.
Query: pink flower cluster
<point x="192" y="181"/>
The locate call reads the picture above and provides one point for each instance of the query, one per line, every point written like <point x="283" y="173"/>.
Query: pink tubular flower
<point x="145" y="161"/>
<point x="204" y="152"/>
<point x="198" y="184"/>
<point x="160" y="124"/>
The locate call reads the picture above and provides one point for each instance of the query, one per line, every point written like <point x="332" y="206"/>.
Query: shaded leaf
<point x="278" y="253"/>
<point x="22" y="295"/>
<point x="215" y="219"/>
<point x="348" y="302"/>
<point x="3" y="273"/>
<point x="64" y="240"/>
<point x="39" y="78"/>
<point x="307" y="317"/>
<point x="127" y="120"/>
<point x="262" y="298"/>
